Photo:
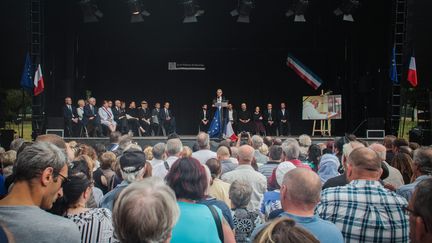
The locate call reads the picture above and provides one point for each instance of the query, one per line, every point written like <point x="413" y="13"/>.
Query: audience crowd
<point x="258" y="190"/>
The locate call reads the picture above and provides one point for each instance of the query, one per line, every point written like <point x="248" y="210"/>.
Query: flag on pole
<point x="215" y="126"/>
<point x="229" y="132"/>
<point x="38" y="81"/>
<point x="305" y="73"/>
<point x="393" y="69"/>
<point x="412" y="72"/>
<point x="26" y="77"/>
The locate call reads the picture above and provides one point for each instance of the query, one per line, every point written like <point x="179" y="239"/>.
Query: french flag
<point x="229" y="133"/>
<point x="305" y="73"/>
<point x="412" y="72"/>
<point x="38" y="81"/>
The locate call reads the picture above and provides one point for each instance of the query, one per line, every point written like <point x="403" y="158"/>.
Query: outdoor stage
<point x="189" y="140"/>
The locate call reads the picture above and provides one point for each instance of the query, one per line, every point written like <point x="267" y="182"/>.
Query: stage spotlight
<point x="243" y="11"/>
<point x="347" y="8"/>
<point x="90" y="11"/>
<point x="137" y="11"/>
<point x="298" y="9"/>
<point x="191" y="11"/>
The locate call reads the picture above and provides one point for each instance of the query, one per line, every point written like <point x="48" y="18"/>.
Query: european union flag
<point x="393" y="70"/>
<point x="215" y="126"/>
<point x="26" y="78"/>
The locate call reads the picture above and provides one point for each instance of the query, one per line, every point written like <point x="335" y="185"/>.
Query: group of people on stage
<point x="261" y="122"/>
<point x="89" y="120"/>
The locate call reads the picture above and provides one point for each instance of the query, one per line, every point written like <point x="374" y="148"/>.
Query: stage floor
<point x="189" y="140"/>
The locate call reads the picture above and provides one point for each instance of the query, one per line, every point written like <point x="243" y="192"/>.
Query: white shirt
<point x="230" y="115"/>
<point x="310" y="113"/>
<point x="204" y="155"/>
<point x="247" y="174"/>
<point x="159" y="169"/>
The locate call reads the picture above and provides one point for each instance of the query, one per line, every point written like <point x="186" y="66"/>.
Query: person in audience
<point x="328" y="167"/>
<point x="57" y="141"/>
<point x="148" y="153"/>
<point x="398" y="143"/>
<point x="264" y="149"/>
<point x="95" y="224"/>
<point x="16" y="144"/>
<point x="231" y="116"/>
<point x="342" y="180"/>
<point x="133" y="165"/>
<point x="244" y="118"/>
<point x="7" y="160"/>
<point x="223" y="156"/>
<point x="414" y="146"/>
<point x="284" y="124"/>
<point x="234" y="154"/>
<point x="156" y="123"/>
<point x="300" y="193"/>
<point x="420" y="214"/>
<point x="39" y="172"/>
<point x="404" y="163"/>
<point x="388" y="144"/>
<point x="197" y="222"/>
<point x="406" y="150"/>
<point x="114" y="140"/>
<point x="270" y="119"/>
<point x="213" y="201"/>
<point x="204" y="153"/>
<point x="146" y="211"/>
<point x="204" y="119"/>
<point x="167" y="117"/>
<point x="275" y="155"/>
<point x="313" y="157"/>
<point x="349" y="207"/>
<point x="257" y="117"/>
<point x="422" y="168"/>
<point x="305" y="142"/>
<point x="133" y="119"/>
<point x="91" y="118"/>
<point x="257" y="142"/>
<point x="247" y="174"/>
<point x="174" y="149"/>
<point x="107" y="117"/>
<point x="144" y="115"/>
<point x="104" y="175"/>
<point x="186" y="152"/>
<point x="70" y="118"/>
<point x="271" y="200"/>
<point x="158" y="152"/>
<point x="218" y="188"/>
<point x="284" y="230"/>
<point x="291" y="152"/>
<point x="394" y="178"/>
<point x="245" y="220"/>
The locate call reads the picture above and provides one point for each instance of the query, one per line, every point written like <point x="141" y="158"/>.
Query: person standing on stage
<point x="231" y="116"/>
<point x="205" y="119"/>
<point x="168" y="120"/>
<point x="222" y="110"/>
<point x="270" y="120"/>
<point x="244" y="117"/>
<point x="144" y="115"/>
<point x="70" y="118"/>
<point x="284" y="125"/>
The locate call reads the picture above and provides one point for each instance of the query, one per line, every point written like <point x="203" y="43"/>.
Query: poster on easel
<point x="322" y="107"/>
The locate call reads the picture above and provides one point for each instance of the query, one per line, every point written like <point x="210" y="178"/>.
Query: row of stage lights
<point x="298" y="8"/>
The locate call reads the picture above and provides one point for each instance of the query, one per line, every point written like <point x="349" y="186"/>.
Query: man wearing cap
<point x="363" y="209"/>
<point x="132" y="165"/>
<point x="422" y="170"/>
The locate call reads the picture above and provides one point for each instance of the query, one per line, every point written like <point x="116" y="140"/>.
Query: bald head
<point x="364" y="164"/>
<point x="245" y="154"/>
<point x="301" y="187"/>
<point x="380" y="150"/>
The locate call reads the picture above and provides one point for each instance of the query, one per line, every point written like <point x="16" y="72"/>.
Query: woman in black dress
<point x="258" y="121"/>
<point x="244" y="117"/>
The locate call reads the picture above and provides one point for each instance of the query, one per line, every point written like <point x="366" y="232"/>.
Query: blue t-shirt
<point x="196" y="224"/>
<point x="222" y="206"/>
<point x="271" y="202"/>
<point x="323" y="230"/>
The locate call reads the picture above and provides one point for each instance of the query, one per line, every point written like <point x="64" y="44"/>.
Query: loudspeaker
<point x="6" y="137"/>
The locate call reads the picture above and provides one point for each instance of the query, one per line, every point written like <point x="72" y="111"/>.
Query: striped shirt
<point x="95" y="225"/>
<point x="267" y="168"/>
<point x="365" y="212"/>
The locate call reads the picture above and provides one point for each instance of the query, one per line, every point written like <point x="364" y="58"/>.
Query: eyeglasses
<point x="64" y="179"/>
<point x="413" y="213"/>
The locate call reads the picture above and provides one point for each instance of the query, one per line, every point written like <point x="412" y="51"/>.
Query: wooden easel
<point x="324" y="127"/>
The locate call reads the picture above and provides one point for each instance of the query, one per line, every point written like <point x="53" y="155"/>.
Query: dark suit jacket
<point x="201" y="115"/>
<point x="90" y="113"/>
<point x="68" y="114"/>
<point x="162" y="115"/>
<point x="266" y="116"/>
<point x="156" y="113"/>
<point x="283" y="117"/>
<point x="144" y="114"/>
<point x="116" y="113"/>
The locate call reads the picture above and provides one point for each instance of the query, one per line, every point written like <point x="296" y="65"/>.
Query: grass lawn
<point x="17" y="129"/>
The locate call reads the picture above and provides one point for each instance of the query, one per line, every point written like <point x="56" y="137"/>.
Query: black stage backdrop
<point x="116" y="59"/>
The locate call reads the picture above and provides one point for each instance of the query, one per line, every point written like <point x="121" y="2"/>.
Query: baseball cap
<point x="132" y="160"/>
